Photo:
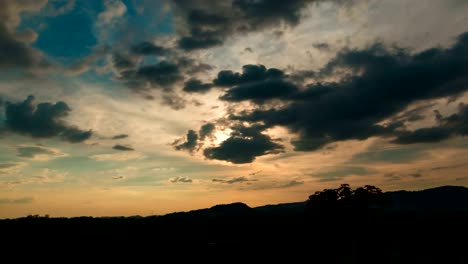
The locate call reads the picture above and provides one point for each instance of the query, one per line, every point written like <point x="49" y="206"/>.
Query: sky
<point x="142" y="107"/>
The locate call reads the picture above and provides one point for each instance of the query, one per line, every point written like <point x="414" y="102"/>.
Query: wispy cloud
<point x="121" y="156"/>
<point x="180" y="179"/>
<point x="21" y="200"/>
<point x="41" y="153"/>
<point x="234" y="180"/>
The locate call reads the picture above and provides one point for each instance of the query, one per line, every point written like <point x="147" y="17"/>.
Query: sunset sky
<point x="143" y="107"/>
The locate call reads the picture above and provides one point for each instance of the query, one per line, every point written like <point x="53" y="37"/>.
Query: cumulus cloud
<point x="244" y="145"/>
<point x="196" y="86"/>
<point x="205" y="24"/>
<point x="147" y="48"/>
<point x="256" y="83"/>
<point x="360" y="93"/>
<point x="193" y="141"/>
<point x="379" y="83"/>
<point x="206" y="130"/>
<point x="43" y="120"/>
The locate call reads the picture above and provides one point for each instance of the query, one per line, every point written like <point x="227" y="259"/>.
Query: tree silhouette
<point x="345" y="198"/>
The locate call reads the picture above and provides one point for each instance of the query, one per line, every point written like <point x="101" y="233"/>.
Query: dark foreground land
<point x="413" y="227"/>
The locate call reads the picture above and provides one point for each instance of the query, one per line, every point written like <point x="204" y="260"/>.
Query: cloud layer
<point x="44" y="120"/>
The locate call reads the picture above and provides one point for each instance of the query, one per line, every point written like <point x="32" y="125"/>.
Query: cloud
<point x="243" y="146"/>
<point x="189" y="144"/>
<point x="376" y="83"/>
<point x="277" y="185"/>
<point x="122" y="147"/>
<point x="255" y="83"/>
<point x="451" y="126"/>
<point x="193" y="141"/>
<point x="113" y="9"/>
<point x="54" y="9"/>
<point x="161" y="74"/>
<point x="395" y="176"/>
<point x="206" y="130"/>
<point x="38" y="152"/>
<point x="121" y="156"/>
<point x="44" y="120"/>
<point x="120" y="136"/>
<point x="291" y="184"/>
<point x="234" y="180"/>
<point x="15" y="51"/>
<point x="196" y="86"/>
<point x="47" y="176"/>
<point x="322" y="46"/>
<point x="21" y="200"/>
<point x="206" y="24"/>
<point x="250" y="73"/>
<point x="340" y="172"/>
<point x="147" y="48"/>
<point x="10" y="167"/>
<point x="180" y="179"/>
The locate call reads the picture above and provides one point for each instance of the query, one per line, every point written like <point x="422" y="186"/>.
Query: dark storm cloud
<point x="120" y="136"/>
<point x="206" y="24"/>
<point x="122" y="147"/>
<point x="382" y="83"/>
<point x="451" y="126"/>
<point x="234" y="180"/>
<point x="244" y="145"/>
<point x="190" y="143"/>
<point x="206" y="130"/>
<point x="196" y="86"/>
<point x="193" y="141"/>
<point x="250" y="73"/>
<point x="43" y="120"/>
<point x="255" y="83"/>
<point x="260" y="91"/>
<point x="147" y="48"/>
<point x="161" y="74"/>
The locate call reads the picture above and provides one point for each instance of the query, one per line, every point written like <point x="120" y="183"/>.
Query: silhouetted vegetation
<point x="342" y="225"/>
<point x="345" y="198"/>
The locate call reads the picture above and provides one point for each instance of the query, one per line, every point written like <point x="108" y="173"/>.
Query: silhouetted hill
<point x="440" y="198"/>
<point x="444" y="198"/>
<point x="416" y="227"/>
<point x="220" y="210"/>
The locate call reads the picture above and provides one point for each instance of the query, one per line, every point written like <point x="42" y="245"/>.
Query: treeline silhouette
<point x="342" y="225"/>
